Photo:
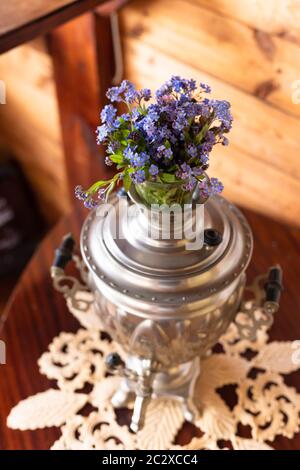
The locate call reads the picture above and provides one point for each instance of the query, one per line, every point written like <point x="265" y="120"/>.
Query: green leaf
<point x="116" y="158"/>
<point x="126" y="180"/>
<point x="167" y="178"/>
<point x="202" y="133"/>
<point x="98" y="185"/>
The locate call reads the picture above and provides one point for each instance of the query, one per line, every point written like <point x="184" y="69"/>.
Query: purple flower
<point x="216" y="186"/>
<point x="108" y="114"/>
<point x="190" y="185"/>
<point x="165" y="152"/>
<point x="192" y="150"/>
<point x="224" y="140"/>
<point x="136" y="159"/>
<point x="80" y="193"/>
<point x="138" y="176"/>
<point x="145" y="94"/>
<point x="114" y="93"/>
<point x="197" y="171"/>
<point x="164" y="91"/>
<point x="149" y="127"/>
<point x="130" y="94"/>
<point x="84" y="196"/>
<point x="222" y="113"/>
<point x="102" y="133"/>
<point x="108" y="161"/>
<point x="184" y="172"/>
<point x="183" y="85"/>
<point x="153" y="170"/>
<point x="205" y="87"/>
<point x="209" y="188"/>
<point x="125" y="92"/>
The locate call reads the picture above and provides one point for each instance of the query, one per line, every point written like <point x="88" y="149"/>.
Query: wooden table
<point x="36" y="313"/>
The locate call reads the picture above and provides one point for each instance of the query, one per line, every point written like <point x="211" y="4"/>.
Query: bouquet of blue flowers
<point x="165" y="142"/>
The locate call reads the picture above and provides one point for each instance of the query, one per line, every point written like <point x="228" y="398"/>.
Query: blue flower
<point x="149" y="127"/>
<point x="184" y="172"/>
<point x="153" y="170"/>
<point x="192" y="150"/>
<point x="216" y="186"/>
<point x="222" y="112"/>
<point x="130" y="94"/>
<point x="115" y="93"/>
<point x="145" y="94"/>
<point x="108" y="114"/>
<point x="138" y="176"/>
<point x="205" y="87"/>
<point x="102" y="133"/>
<point x="209" y="188"/>
<point x="165" y="152"/>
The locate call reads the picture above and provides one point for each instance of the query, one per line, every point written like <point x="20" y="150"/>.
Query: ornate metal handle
<point x="69" y="286"/>
<point x="64" y="253"/>
<point x="259" y="312"/>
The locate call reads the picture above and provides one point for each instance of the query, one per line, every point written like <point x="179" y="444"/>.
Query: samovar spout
<point x="143" y="392"/>
<point x="139" y="377"/>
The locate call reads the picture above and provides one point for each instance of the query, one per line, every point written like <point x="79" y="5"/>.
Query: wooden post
<point x="81" y="93"/>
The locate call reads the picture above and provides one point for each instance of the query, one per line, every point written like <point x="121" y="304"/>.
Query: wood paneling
<point x="29" y="124"/>
<point x="281" y="17"/>
<point x="250" y="60"/>
<point x="247" y="50"/>
<point x="260" y="167"/>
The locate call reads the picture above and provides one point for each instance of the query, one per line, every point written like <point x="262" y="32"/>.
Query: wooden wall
<point x="248" y="50"/>
<point x="29" y="125"/>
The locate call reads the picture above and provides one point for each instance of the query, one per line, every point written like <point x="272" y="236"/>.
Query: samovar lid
<point x="121" y="255"/>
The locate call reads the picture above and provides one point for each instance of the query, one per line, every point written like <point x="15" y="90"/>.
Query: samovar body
<point x="164" y="304"/>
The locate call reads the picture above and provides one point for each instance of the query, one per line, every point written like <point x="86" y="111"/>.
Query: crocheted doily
<point x="260" y="398"/>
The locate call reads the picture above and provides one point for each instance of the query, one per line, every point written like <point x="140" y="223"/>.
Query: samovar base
<point x="177" y="383"/>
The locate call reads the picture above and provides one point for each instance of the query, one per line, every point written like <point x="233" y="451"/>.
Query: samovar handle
<point x="64" y="253"/>
<point x="259" y="312"/>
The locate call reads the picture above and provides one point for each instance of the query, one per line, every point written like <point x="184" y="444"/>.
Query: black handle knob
<point x="273" y="285"/>
<point x="212" y="237"/>
<point x="113" y="361"/>
<point x="63" y="254"/>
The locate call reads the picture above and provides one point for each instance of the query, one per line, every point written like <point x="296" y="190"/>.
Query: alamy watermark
<point x="158" y="222"/>
<point x="2" y="353"/>
<point x="2" y="92"/>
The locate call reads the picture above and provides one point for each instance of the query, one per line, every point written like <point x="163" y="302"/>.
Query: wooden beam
<point x="75" y="58"/>
<point x="23" y="20"/>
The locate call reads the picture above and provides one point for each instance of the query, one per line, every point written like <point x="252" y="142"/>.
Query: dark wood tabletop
<point x="23" y="20"/>
<point x="36" y="313"/>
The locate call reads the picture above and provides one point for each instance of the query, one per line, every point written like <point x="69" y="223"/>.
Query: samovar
<point x="164" y="304"/>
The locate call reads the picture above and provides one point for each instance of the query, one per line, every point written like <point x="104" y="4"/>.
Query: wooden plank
<point x="21" y="20"/>
<point x="281" y="17"/>
<point x="74" y="54"/>
<point x="259" y="64"/>
<point x="260" y="167"/>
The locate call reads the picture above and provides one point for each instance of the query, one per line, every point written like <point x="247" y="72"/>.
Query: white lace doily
<point x="255" y="371"/>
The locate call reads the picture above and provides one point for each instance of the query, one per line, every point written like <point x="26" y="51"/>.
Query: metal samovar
<point x="164" y="304"/>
